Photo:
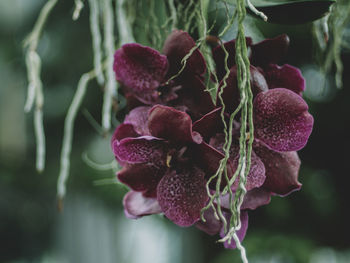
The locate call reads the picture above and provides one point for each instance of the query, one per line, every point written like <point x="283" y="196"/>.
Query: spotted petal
<point x="136" y="205"/>
<point x="282" y="170"/>
<point x="285" y="76"/>
<point x="145" y="149"/>
<point x="172" y="125"/>
<point x="256" y="176"/>
<point x="182" y="195"/>
<point x="281" y="120"/>
<point x="141" y="69"/>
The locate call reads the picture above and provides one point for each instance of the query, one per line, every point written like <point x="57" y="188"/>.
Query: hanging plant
<point x="211" y="129"/>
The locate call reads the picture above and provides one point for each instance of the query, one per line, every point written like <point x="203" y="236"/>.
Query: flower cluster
<point x="171" y="141"/>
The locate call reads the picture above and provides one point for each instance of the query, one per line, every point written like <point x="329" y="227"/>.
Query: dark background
<point x="308" y="226"/>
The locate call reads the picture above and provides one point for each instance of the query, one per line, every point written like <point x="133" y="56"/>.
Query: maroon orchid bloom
<point x="165" y="163"/>
<point x="282" y="126"/>
<point x="168" y="155"/>
<point x="282" y="122"/>
<point x="144" y="73"/>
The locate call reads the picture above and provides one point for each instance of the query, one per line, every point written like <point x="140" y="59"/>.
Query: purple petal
<point x="172" y="125"/>
<point x="182" y="195"/>
<point x="209" y="124"/>
<point x="219" y="56"/>
<point x="211" y="226"/>
<point x="285" y="76"/>
<point x="256" y="176"/>
<point x="282" y="120"/>
<point x="252" y="200"/>
<point x="145" y="149"/>
<point x="255" y="198"/>
<point x="176" y="47"/>
<point x="136" y="205"/>
<point x="282" y="170"/>
<point x="141" y="178"/>
<point x="138" y="118"/>
<point x="269" y="51"/>
<point x="123" y="131"/>
<point x="141" y="69"/>
<point x="231" y="95"/>
<point x="240" y="233"/>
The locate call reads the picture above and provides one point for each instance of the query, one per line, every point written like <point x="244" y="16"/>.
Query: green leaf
<point x="292" y="11"/>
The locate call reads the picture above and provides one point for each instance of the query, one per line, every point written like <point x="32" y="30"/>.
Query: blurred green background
<point x="311" y="225"/>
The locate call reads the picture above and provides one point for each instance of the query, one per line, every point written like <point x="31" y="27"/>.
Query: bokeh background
<point x="311" y="225"/>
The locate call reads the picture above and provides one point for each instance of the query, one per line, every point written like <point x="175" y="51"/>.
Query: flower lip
<point x="182" y="194"/>
<point x="281" y="120"/>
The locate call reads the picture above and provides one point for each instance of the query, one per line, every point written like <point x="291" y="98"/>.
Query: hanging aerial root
<point x="222" y="170"/>
<point x="339" y="20"/>
<point x="96" y="39"/>
<point x="35" y="91"/>
<point x="256" y="11"/>
<point x="31" y="44"/>
<point x="68" y="135"/>
<point x="78" y="7"/>
<point x="173" y="15"/>
<point x="243" y="77"/>
<point x="246" y="135"/>
<point x="156" y="34"/>
<point x="111" y="84"/>
<point x="110" y="89"/>
<point x="124" y="27"/>
<point x="97" y="166"/>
